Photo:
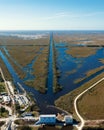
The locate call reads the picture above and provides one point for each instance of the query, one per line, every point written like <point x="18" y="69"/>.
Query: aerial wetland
<point x="52" y="66"/>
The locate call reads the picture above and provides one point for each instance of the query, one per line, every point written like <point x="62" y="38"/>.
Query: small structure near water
<point x="68" y="119"/>
<point x="47" y="119"/>
<point x="53" y="120"/>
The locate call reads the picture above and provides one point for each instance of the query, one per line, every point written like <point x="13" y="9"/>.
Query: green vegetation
<point x="56" y="86"/>
<point x="18" y="70"/>
<point x="33" y="108"/>
<point x="5" y="70"/>
<point x="24" y="128"/>
<point x="1" y="79"/>
<point x="93" y="128"/>
<point x="54" y="70"/>
<point x="40" y="53"/>
<point x="70" y="72"/>
<point x="2" y="87"/>
<point x="81" y="39"/>
<point x="66" y="102"/>
<point x="94" y="125"/>
<point x="40" y="70"/>
<point x="17" y="108"/>
<point x="13" y="41"/>
<point x="2" y="123"/>
<point x="46" y="128"/>
<point x="23" y="54"/>
<point x="56" y="128"/>
<point x="101" y="60"/>
<point x="22" y="122"/>
<point x="89" y="73"/>
<point x="79" y="52"/>
<point x="90" y="105"/>
<point x="3" y="112"/>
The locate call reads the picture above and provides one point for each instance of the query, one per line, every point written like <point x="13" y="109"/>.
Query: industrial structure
<point x="47" y="119"/>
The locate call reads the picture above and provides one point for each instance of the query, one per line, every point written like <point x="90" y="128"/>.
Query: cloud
<point x="54" y="16"/>
<point x="70" y="15"/>
<point x="92" y="14"/>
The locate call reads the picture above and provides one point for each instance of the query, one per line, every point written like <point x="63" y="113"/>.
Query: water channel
<point x="64" y="63"/>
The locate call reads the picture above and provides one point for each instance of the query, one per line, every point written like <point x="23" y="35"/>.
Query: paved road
<point x="75" y="103"/>
<point x="8" y="86"/>
<point x="7" y="120"/>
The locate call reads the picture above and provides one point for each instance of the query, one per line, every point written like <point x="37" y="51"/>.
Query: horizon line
<point x="54" y="30"/>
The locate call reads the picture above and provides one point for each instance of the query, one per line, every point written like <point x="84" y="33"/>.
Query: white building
<point x="6" y="99"/>
<point x="68" y="119"/>
<point x="10" y="86"/>
<point x="47" y="119"/>
<point x="22" y="100"/>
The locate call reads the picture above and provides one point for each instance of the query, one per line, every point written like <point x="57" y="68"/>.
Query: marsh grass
<point x="66" y="101"/>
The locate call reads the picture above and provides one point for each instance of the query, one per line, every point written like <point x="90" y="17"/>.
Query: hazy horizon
<point x="49" y="30"/>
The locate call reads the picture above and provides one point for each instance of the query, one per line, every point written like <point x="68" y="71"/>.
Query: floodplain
<point x="77" y="58"/>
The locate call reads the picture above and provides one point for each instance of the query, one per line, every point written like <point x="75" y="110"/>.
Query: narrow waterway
<point x="64" y="63"/>
<point x="50" y="68"/>
<point x="43" y="100"/>
<point x="72" y="68"/>
<point x="28" y="69"/>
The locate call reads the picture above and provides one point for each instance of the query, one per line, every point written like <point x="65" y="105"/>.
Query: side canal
<point x="50" y="67"/>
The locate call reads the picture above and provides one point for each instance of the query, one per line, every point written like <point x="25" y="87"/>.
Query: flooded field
<point x="50" y="66"/>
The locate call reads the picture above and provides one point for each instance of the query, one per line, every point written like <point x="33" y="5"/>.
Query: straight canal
<point x="69" y="63"/>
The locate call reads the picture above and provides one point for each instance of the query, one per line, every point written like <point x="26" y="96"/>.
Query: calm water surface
<point x="70" y="69"/>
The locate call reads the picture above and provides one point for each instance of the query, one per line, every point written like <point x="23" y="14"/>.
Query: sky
<point x="51" y="14"/>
